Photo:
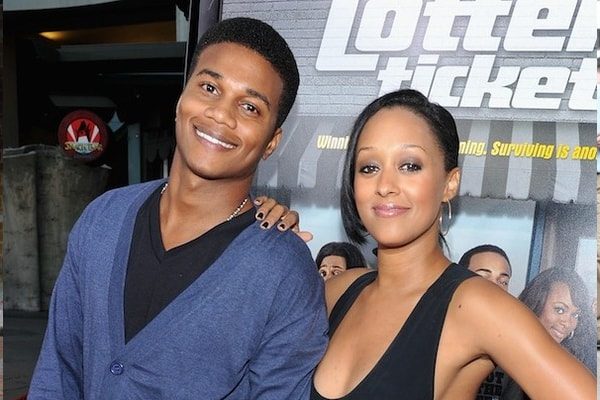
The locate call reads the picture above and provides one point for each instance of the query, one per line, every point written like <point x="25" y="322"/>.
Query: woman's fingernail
<point x="265" y="224"/>
<point x="281" y="227"/>
<point x="260" y="215"/>
<point x="257" y="202"/>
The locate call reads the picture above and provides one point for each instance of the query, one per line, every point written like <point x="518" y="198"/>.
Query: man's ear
<point x="273" y="143"/>
<point x="452" y="184"/>
<point x="177" y="107"/>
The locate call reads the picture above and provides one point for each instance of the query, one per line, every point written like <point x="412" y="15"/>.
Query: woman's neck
<point x="416" y="263"/>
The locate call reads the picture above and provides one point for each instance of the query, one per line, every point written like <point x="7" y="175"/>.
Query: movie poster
<point x="518" y="76"/>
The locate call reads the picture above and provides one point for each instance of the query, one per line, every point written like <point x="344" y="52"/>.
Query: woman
<point x="420" y="327"/>
<point x="559" y="298"/>
<point x="337" y="257"/>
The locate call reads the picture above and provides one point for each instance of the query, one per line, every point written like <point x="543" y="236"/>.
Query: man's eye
<point x="250" y="108"/>
<point x="208" y="87"/>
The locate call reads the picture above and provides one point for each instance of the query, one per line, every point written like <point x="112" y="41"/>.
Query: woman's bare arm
<point x="503" y="328"/>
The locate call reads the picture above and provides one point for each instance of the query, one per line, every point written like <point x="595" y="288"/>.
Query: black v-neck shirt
<point x="406" y="371"/>
<point x="155" y="277"/>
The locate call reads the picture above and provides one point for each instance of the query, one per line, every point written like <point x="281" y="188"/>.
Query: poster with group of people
<point x="518" y="77"/>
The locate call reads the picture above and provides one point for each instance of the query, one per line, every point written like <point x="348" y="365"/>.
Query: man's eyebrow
<point x="210" y="72"/>
<point x="254" y="93"/>
<point x="249" y="91"/>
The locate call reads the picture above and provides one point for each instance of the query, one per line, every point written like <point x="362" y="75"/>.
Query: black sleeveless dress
<point x="406" y="369"/>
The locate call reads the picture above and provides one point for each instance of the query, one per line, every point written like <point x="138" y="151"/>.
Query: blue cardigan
<point x="252" y="326"/>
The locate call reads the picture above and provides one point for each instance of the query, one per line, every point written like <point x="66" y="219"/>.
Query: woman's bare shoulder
<point x="489" y="315"/>
<point x="479" y="295"/>
<point x="336" y="286"/>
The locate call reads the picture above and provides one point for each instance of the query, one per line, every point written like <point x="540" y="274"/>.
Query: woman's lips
<point x="389" y="210"/>
<point x="558" y="334"/>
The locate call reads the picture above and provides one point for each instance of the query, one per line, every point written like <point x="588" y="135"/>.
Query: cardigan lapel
<point x="116" y="318"/>
<point x="194" y="296"/>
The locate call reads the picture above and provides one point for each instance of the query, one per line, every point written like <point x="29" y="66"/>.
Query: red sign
<point x="83" y="135"/>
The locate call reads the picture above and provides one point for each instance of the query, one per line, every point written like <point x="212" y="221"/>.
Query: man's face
<point x="332" y="266"/>
<point x="492" y="266"/>
<point x="226" y="115"/>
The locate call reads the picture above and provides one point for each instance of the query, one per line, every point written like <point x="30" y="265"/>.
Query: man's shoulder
<point x="127" y="193"/>
<point x="113" y="205"/>
<point x="272" y="242"/>
<point x="278" y="252"/>
<point x="121" y="197"/>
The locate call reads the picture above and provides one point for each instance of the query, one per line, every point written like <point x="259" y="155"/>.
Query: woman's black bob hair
<point x="440" y="122"/>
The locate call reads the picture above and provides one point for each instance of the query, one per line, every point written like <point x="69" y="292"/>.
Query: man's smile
<point x="214" y="140"/>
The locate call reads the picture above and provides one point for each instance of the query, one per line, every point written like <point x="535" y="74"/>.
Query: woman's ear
<point x="273" y="143"/>
<point x="452" y="184"/>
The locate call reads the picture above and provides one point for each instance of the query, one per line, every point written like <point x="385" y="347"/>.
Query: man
<point x="166" y="293"/>
<point x="489" y="261"/>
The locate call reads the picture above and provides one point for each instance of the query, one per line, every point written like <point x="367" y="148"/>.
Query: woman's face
<point x="400" y="180"/>
<point x="559" y="315"/>
<point x="332" y="266"/>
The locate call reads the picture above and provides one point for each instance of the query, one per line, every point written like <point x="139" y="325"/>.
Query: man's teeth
<point x="214" y="140"/>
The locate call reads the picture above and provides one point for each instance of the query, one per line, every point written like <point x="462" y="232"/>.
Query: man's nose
<point x="220" y="113"/>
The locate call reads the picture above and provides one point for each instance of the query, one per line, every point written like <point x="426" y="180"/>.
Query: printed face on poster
<point x="518" y="76"/>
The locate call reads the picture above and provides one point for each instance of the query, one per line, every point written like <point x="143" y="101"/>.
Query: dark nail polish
<point x="260" y="215"/>
<point x="281" y="226"/>
<point x="265" y="224"/>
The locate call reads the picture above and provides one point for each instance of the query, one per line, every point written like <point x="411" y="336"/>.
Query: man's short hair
<point x="262" y="38"/>
<point x="465" y="260"/>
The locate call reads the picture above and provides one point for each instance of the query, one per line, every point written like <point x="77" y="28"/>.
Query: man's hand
<point x="272" y="213"/>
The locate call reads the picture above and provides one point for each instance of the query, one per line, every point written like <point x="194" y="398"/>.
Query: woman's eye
<point x="559" y="310"/>
<point x="410" y="167"/>
<point x="576" y="315"/>
<point x="368" y="169"/>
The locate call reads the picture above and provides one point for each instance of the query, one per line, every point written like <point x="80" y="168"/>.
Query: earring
<point x="443" y="231"/>
<point x="571" y="334"/>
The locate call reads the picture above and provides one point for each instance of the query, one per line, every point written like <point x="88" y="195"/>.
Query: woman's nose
<point x="386" y="183"/>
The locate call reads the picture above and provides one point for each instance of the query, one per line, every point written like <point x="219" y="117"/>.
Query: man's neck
<point x="191" y="206"/>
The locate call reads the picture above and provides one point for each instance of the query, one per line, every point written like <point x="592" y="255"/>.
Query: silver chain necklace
<point x="231" y="216"/>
